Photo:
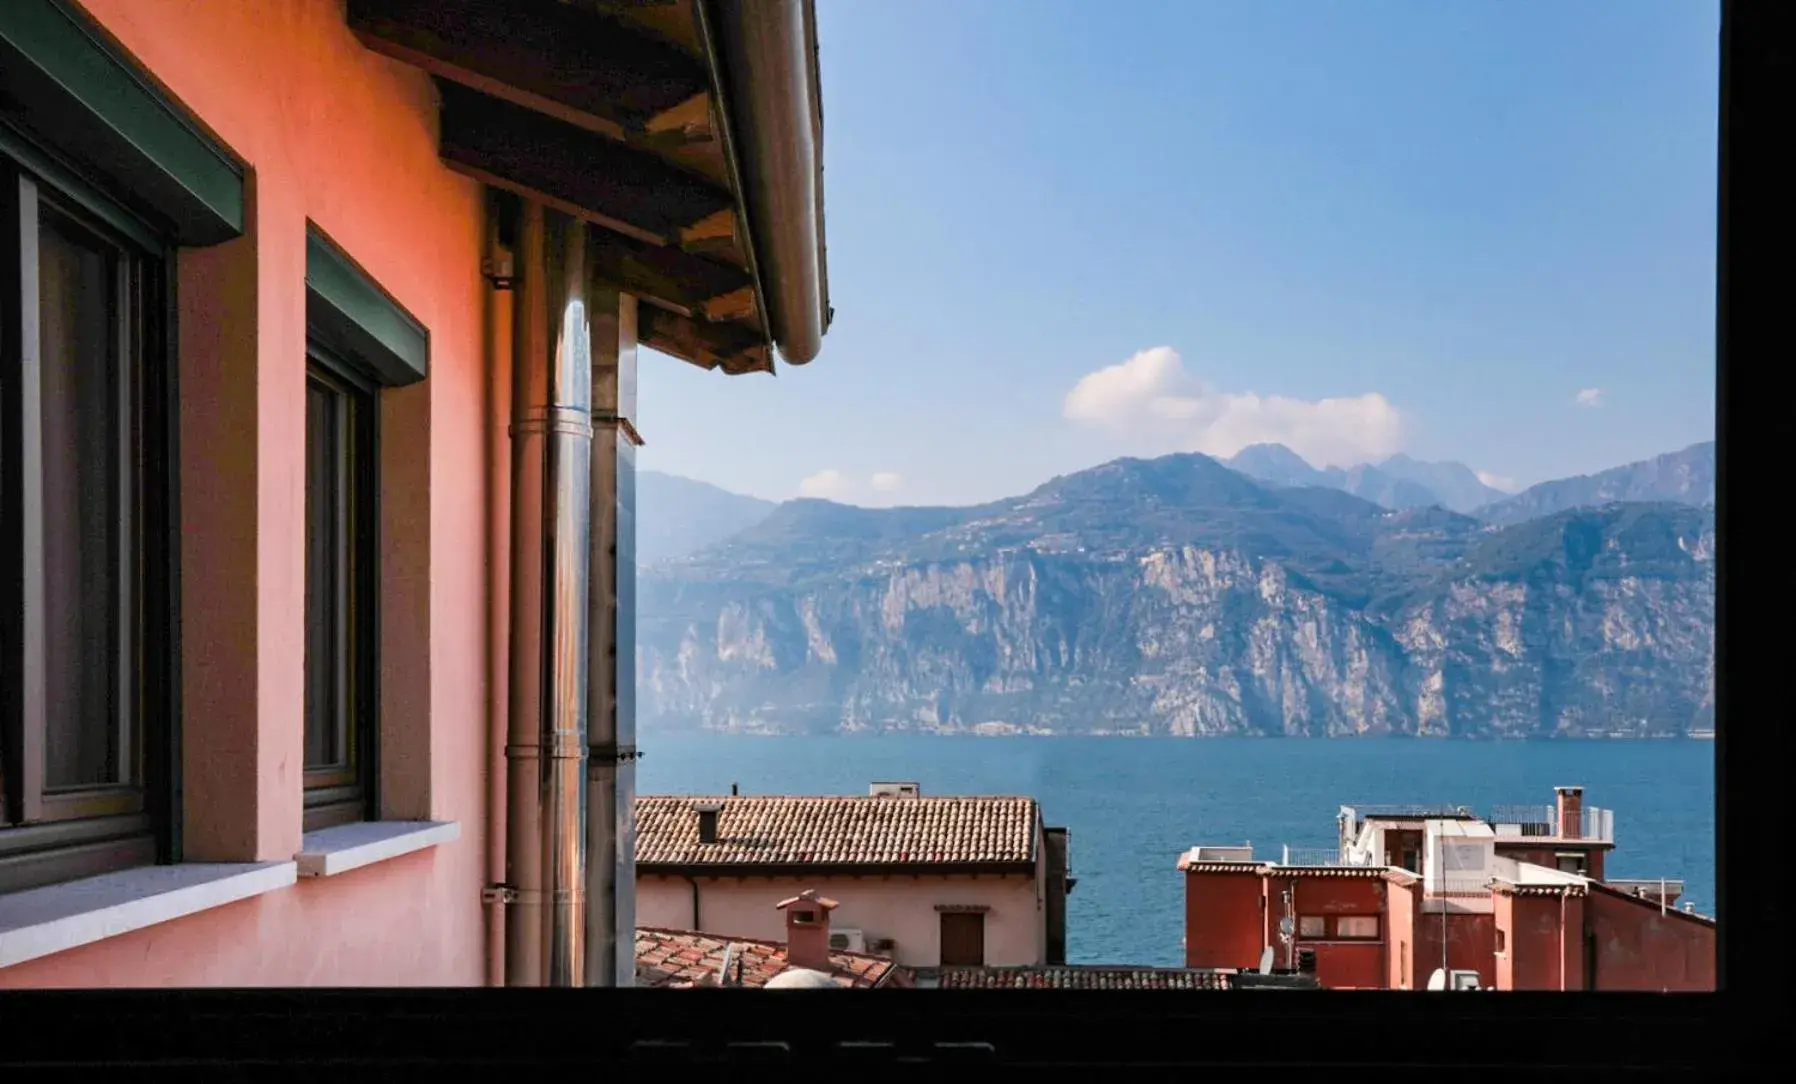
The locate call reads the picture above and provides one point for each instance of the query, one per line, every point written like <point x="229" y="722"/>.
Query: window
<point x="339" y="618"/>
<point x="1502" y="940"/>
<point x="84" y="636"/>
<point x="1570" y="863"/>
<point x="1312" y="927"/>
<point x="963" y="939"/>
<point x="1357" y="927"/>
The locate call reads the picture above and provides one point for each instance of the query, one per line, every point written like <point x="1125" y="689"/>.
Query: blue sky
<point x="1062" y="231"/>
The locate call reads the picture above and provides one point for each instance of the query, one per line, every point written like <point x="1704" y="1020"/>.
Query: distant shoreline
<point x="701" y="732"/>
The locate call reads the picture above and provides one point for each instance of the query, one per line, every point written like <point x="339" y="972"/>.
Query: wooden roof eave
<point x="589" y="113"/>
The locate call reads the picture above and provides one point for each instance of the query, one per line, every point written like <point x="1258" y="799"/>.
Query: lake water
<point x="1133" y="804"/>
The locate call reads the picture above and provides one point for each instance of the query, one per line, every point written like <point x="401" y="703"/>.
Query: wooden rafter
<point x="553" y="57"/>
<point x="731" y="347"/>
<point x="566" y="166"/>
<point x="691" y="284"/>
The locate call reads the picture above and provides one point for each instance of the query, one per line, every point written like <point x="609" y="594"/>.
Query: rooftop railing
<point x="1594" y="823"/>
<point x="1314" y="856"/>
<point x="1362" y="812"/>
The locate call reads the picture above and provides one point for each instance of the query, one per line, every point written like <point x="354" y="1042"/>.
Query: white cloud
<point x="1498" y="481"/>
<point x="834" y="485"/>
<point x="829" y="484"/>
<point x="1152" y="401"/>
<point x="1589" y="397"/>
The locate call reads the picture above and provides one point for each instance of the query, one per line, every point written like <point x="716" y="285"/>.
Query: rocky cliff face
<point x="1211" y="606"/>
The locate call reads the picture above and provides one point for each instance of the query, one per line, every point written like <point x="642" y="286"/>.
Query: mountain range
<point x="1179" y="595"/>
<point x="1687" y="477"/>
<point x="1397" y="482"/>
<point x="676" y="515"/>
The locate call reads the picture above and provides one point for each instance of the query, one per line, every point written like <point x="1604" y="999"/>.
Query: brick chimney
<point x="807" y="930"/>
<point x="1571" y="812"/>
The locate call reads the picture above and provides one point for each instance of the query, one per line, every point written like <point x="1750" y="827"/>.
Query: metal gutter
<point x="764" y="55"/>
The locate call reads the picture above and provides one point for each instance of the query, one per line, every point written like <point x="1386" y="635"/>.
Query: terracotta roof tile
<point x="1079" y="977"/>
<point x="838" y="830"/>
<point x="681" y="958"/>
<point x="1506" y="889"/>
<point x="1273" y="869"/>
<point x="1642" y="901"/>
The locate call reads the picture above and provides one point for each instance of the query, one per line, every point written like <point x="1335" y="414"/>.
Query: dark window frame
<point x="50" y="835"/>
<point x="346" y="793"/>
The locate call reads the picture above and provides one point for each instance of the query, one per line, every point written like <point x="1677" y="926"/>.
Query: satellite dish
<point x="1266" y="961"/>
<point x="1438" y="980"/>
<point x="1286" y="927"/>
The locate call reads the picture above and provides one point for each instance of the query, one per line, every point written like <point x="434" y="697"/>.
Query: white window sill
<point x="55" y="918"/>
<point x="331" y="851"/>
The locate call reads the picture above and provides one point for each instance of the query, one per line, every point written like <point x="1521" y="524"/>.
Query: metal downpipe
<point x="551" y="436"/>
<point x="498" y="273"/>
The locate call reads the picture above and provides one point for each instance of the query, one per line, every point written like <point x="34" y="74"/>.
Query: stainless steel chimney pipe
<point x="611" y="760"/>
<point x="551" y="436"/>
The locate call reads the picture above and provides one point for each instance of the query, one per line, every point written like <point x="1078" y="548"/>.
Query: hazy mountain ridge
<point x="1179" y="596"/>
<point x="676" y="516"/>
<point x="1686" y="476"/>
<point x="1397" y="482"/>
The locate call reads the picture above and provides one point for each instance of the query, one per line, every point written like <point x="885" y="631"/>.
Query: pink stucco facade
<point x="336" y="136"/>
<point x="902" y="908"/>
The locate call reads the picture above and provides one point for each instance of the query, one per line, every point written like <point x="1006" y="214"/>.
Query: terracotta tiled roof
<point x="1506" y="888"/>
<point x="681" y="958"/>
<point x="1189" y="866"/>
<point x="844" y="830"/>
<point x="1076" y="977"/>
<point x="1270" y="869"/>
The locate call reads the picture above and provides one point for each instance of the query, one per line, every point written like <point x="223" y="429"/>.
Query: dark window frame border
<point x="143" y="828"/>
<point x="333" y="796"/>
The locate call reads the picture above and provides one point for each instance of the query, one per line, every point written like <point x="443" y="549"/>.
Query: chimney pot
<point x="807" y="930"/>
<point x="1570" y="806"/>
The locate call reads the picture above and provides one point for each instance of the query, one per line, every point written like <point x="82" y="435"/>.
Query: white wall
<point x="902" y="908"/>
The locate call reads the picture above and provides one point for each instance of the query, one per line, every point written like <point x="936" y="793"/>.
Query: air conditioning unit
<point x="847" y="941"/>
<point x="894" y="790"/>
<point x="881" y="946"/>
<point x="1465" y="980"/>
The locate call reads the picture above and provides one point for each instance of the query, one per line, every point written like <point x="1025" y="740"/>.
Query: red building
<point x="1414" y="897"/>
